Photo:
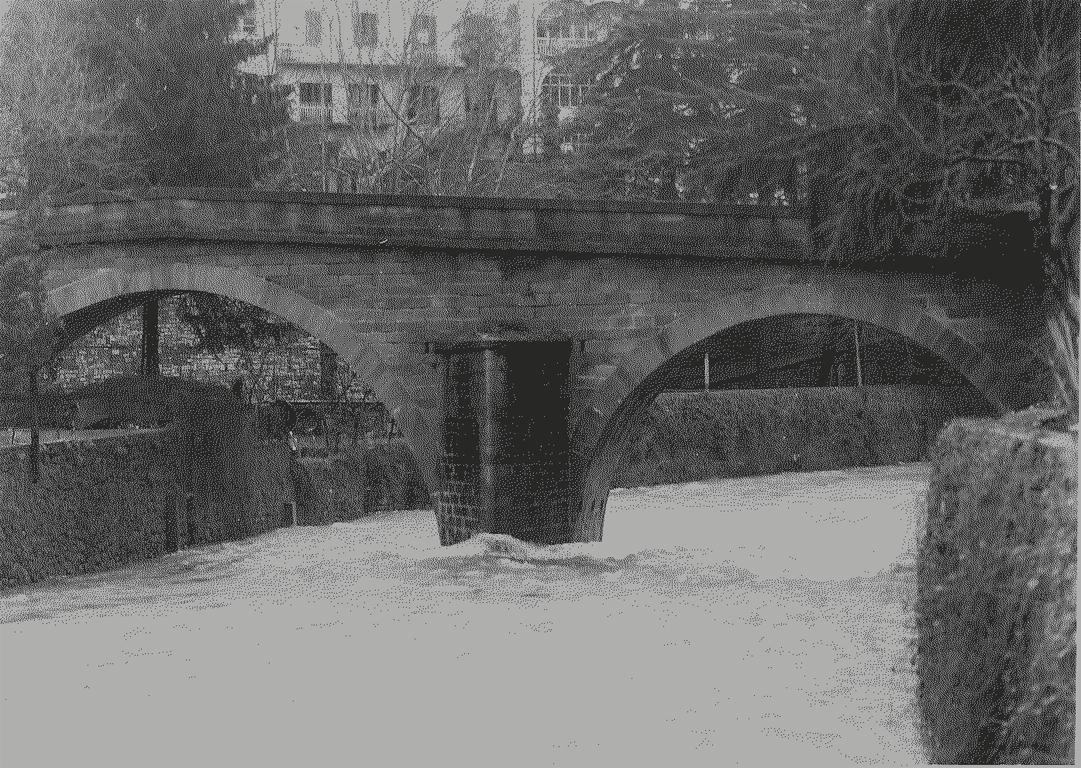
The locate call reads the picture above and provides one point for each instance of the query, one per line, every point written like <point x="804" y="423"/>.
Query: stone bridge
<point x="518" y="342"/>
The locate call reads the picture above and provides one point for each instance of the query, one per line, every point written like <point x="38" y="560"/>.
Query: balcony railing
<point x="551" y="46"/>
<point x="373" y="118"/>
<point x="290" y="52"/>
<point x="314" y="113"/>
<point x="418" y="55"/>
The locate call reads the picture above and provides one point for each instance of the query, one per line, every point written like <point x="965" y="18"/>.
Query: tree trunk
<point x="34" y="456"/>
<point x="150" y="362"/>
<point x="328" y="373"/>
<point x="1060" y="276"/>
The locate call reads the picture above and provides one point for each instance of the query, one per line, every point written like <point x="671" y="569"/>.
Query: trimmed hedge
<point x="106" y="502"/>
<point x="730" y="433"/>
<point x="329" y="490"/>
<point x="394" y="480"/>
<point x="100" y="504"/>
<point x="996" y="612"/>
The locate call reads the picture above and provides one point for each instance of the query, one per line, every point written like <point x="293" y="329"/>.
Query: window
<point x="424" y="104"/>
<point x="365" y="105"/>
<point x="363" y="95"/>
<point x="315" y="100"/>
<point x="574" y="143"/>
<point x="563" y="90"/>
<point x="424" y="29"/>
<point x="313" y="27"/>
<point x="315" y="93"/>
<point x="365" y="27"/>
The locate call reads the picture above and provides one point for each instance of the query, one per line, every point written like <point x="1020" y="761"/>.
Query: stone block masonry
<point x="301" y="370"/>
<point x="389" y="282"/>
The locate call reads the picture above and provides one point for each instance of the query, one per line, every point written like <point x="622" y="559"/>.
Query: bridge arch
<point x="602" y="427"/>
<point x="376" y="362"/>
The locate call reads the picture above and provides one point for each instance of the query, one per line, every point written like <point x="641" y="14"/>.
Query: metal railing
<point x="289" y="52"/>
<point x="370" y="117"/>
<point x="314" y="113"/>
<point x="551" y="46"/>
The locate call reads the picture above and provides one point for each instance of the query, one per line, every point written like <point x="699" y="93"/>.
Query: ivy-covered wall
<point x="100" y="504"/>
<point x="208" y="477"/>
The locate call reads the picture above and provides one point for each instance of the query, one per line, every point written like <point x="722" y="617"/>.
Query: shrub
<point x="996" y="612"/>
<point x="727" y="433"/>
<point x="357" y="481"/>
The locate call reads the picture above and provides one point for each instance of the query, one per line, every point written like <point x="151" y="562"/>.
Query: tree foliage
<point x="936" y="126"/>
<point x="57" y="137"/>
<point x="927" y="135"/>
<point x="196" y="118"/>
<point x="220" y="322"/>
<point x="683" y="95"/>
<point x="58" y="133"/>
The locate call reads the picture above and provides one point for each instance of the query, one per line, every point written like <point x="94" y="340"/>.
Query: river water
<point x="752" y="621"/>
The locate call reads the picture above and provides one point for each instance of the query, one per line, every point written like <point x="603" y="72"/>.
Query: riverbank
<point x="692" y="436"/>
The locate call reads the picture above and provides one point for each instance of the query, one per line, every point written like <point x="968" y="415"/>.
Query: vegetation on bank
<point x="996" y="606"/>
<point x="727" y="433"/>
<point x="359" y="480"/>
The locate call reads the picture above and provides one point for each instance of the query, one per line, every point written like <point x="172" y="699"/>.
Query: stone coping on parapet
<point x="462" y="224"/>
<point x="55" y="439"/>
<point x="241" y="194"/>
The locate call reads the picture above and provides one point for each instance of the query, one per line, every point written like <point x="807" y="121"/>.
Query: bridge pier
<point x="504" y="465"/>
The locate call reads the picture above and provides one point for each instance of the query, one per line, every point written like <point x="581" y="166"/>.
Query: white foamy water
<point x="753" y="621"/>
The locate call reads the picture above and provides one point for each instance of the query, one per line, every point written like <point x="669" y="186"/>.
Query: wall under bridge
<point x="108" y="502"/>
<point x="210" y="475"/>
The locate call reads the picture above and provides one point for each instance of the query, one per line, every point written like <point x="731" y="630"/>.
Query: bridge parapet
<point x="487" y="224"/>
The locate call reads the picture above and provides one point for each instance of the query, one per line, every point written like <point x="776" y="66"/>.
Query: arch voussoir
<point x="108" y="284"/>
<point x="623" y="388"/>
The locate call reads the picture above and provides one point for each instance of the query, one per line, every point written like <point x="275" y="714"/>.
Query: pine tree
<point x="685" y="100"/>
<point x="197" y="119"/>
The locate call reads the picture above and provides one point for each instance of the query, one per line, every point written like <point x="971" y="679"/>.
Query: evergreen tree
<point x="197" y="119"/>
<point x="684" y="99"/>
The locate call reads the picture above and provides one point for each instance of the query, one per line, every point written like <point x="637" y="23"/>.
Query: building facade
<point x="371" y="76"/>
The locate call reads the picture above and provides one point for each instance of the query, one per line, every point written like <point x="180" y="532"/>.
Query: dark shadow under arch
<point x="593" y="475"/>
<point x="99" y="294"/>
